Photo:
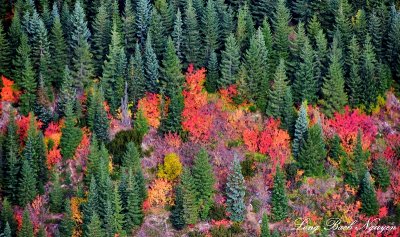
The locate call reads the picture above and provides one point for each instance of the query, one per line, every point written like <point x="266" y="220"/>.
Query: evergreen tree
<point x="260" y="9"/>
<point x="177" y="35"/>
<point x="334" y="97"/>
<point x="136" y="77"/>
<point x="312" y="154"/>
<point x="12" y="161"/>
<point x="212" y="73"/>
<point x="393" y="44"/>
<point x="288" y="114"/>
<point x="204" y="180"/>
<point x="280" y="22"/>
<point x="67" y="223"/>
<point x="7" y="216"/>
<point x="56" y="195"/>
<point x="369" y="202"/>
<point x="97" y="116"/>
<point x="321" y="58"/>
<point x="172" y="77"/>
<point x="279" y="200"/>
<point x="230" y="63"/>
<point x="360" y="158"/>
<point x="245" y="27"/>
<point x="172" y="123"/>
<point x="336" y="150"/>
<point x="256" y="64"/>
<point x="67" y="93"/>
<point x="91" y="206"/>
<point x="7" y="231"/>
<point x="343" y="25"/>
<point x="128" y="26"/>
<point x="190" y="205"/>
<point x="166" y="12"/>
<point x="114" y="71"/>
<point x="297" y="51"/>
<point x="143" y="17"/>
<point x="101" y="36"/>
<point x="118" y="220"/>
<point x="131" y="158"/>
<point x="4" y="53"/>
<point x="265" y="232"/>
<point x="353" y="83"/>
<point x="276" y="96"/>
<point x="225" y="14"/>
<point x="82" y="57"/>
<point x="381" y="174"/>
<point x="94" y="227"/>
<point x="235" y="191"/>
<point x="41" y="232"/>
<point x="133" y="213"/>
<point x="151" y="68"/>
<point x="27" y="184"/>
<point x="58" y="50"/>
<point x="191" y="44"/>
<point x="375" y="30"/>
<point x="15" y="32"/>
<point x="177" y="212"/>
<point x="305" y="9"/>
<point x="27" y="227"/>
<point x="157" y="33"/>
<point x="301" y="130"/>
<point x="210" y="28"/>
<point x="71" y="135"/>
<point x="369" y="73"/>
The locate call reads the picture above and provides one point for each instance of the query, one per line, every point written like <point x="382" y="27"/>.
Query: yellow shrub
<point x="172" y="167"/>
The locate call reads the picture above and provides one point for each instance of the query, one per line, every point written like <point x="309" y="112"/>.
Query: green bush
<point x="217" y="212"/>
<point x="117" y="146"/>
<point x="248" y="167"/>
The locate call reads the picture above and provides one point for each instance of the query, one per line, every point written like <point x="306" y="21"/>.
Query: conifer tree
<point x="276" y="95"/>
<point x="58" y="50"/>
<point x="301" y="130"/>
<point x="256" y="64"/>
<point x="157" y="33"/>
<point x="230" y="63"/>
<point x="381" y="174"/>
<point x="94" y="227"/>
<point x="15" y="32"/>
<point x="41" y="232"/>
<point x="265" y="232"/>
<point x="314" y="26"/>
<point x="128" y="26"/>
<point x="190" y="205"/>
<point x="191" y="44"/>
<point x="131" y="158"/>
<point x="27" y="227"/>
<point x="143" y="17"/>
<point x="151" y="68"/>
<point x="7" y="216"/>
<point x="280" y="24"/>
<point x="71" y="135"/>
<point x="67" y="224"/>
<point x="375" y="30"/>
<point x="12" y="160"/>
<point x="133" y="213"/>
<point x="212" y="73"/>
<point x="336" y="150"/>
<point x="288" y="114"/>
<point x="235" y="191"/>
<point x="56" y="195"/>
<point x="97" y="116"/>
<point x="82" y="57"/>
<point x="360" y="158"/>
<point x="4" y="53"/>
<point x="369" y="70"/>
<point x="353" y="83"/>
<point x="41" y="150"/>
<point x="369" y="202"/>
<point x="312" y="154"/>
<point x="91" y="206"/>
<point x="204" y="179"/>
<point x="260" y="9"/>
<point x="166" y="12"/>
<point x="172" y="77"/>
<point x="225" y="14"/>
<point x="279" y="200"/>
<point x="118" y="220"/>
<point x="27" y="185"/>
<point x="342" y="22"/>
<point x="245" y="27"/>
<point x="297" y="51"/>
<point x="114" y="71"/>
<point x="321" y="58"/>
<point x="210" y="28"/>
<point x="7" y="230"/>
<point x="393" y="44"/>
<point x="177" y="212"/>
<point x="136" y="77"/>
<point x="67" y="93"/>
<point x="101" y="36"/>
<point x="66" y="24"/>
<point x="177" y="34"/>
<point x="334" y="97"/>
<point x="172" y="123"/>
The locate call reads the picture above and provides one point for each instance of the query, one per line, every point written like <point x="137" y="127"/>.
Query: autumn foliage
<point x="150" y="106"/>
<point x="160" y="193"/>
<point x="8" y="93"/>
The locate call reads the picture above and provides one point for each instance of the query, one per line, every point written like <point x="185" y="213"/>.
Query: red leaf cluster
<point x="150" y="106"/>
<point x="8" y="94"/>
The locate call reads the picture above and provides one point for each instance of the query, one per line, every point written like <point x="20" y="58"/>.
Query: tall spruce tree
<point x="71" y="135"/>
<point x="56" y="195"/>
<point x="157" y="33"/>
<point x="177" y="34"/>
<point x="94" y="228"/>
<point x="11" y="166"/>
<point x="369" y="74"/>
<point x="190" y="205"/>
<point x="177" y="212"/>
<point x="128" y="26"/>
<point x="353" y="82"/>
<point x="133" y="213"/>
<point x="102" y="27"/>
<point x="230" y="62"/>
<point x="301" y="130"/>
<point x="27" y="185"/>
<point x="97" y="115"/>
<point x="212" y="73"/>
<point x="280" y="22"/>
<point x="172" y="78"/>
<point x="381" y="173"/>
<point x="143" y="17"/>
<point x="276" y="95"/>
<point x="369" y="202"/>
<point x="210" y="28"/>
<point x="265" y="232"/>
<point x="7" y="216"/>
<point x="235" y="191"/>
<point x="279" y="200"/>
<point x="151" y="67"/>
<point x="172" y="122"/>
<point x="67" y="223"/>
<point x="4" y="53"/>
<point x="26" y="227"/>
<point x="191" y="34"/>
<point x="135" y="77"/>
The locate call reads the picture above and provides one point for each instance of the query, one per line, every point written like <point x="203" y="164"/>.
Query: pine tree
<point x="12" y="160"/>
<point x="288" y="114"/>
<point x="301" y="130"/>
<point x="230" y="62"/>
<point x="27" y="227"/>
<point x="393" y="44"/>
<point x="256" y="64"/>
<point x="7" y="230"/>
<point x="360" y="158"/>
<point x="297" y="51"/>
<point x="166" y="12"/>
<point x="82" y="57"/>
<point x="118" y="220"/>
<point x="7" y="216"/>
<point x="114" y="71"/>
<point x="313" y="27"/>
<point x="260" y="9"/>
<point x="381" y="174"/>
<point x="67" y="223"/>
<point x="321" y="58"/>
<point x="190" y="205"/>
<point x="336" y="150"/>
<point x="265" y="232"/>
<point x="212" y="73"/>
<point x="280" y="24"/>
<point x="172" y="77"/>
<point x="97" y="116"/>
<point x="71" y="135"/>
<point x="58" y="50"/>
<point x="27" y="185"/>
<point x="369" y="73"/>
<point x="191" y="44"/>
<point x="375" y="30"/>
<point x="133" y="213"/>
<point x="67" y="93"/>
<point x="101" y="36"/>
<point x="177" y="35"/>
<point x="279" y="200"/>
<point x="136" y="77"/>
<point x="157" y="33"/>
<point x="204" y="180"/>
<point x="143" y="17"/>
<point x="91" y="206"/>
<point x="210" y="28"/>
<point x="225" y="14"/>
<point x="342" y="23"/>
<point x="94" y="227"/>
<point x="353" y="82"/>
<point x="235" y="191"/>
<point x="369" y="202"/>
<point x="245" y="27"/>
<point x="151" y="68"/>
<point x="312" y="154"/>
<point x="276" y="96"/>
<point x="334" y="97"/>
<point x="4" y="53"/>
<point x="131" y="158"/>
<point x="56" y="195"/>
<point x="172" y="123"/>
<point x="128" y="26"/>
<point x="177" y="212"/>
<point x="15" y="32"/>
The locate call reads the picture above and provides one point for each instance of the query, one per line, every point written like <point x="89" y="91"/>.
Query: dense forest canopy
<point x="199" y="118"/>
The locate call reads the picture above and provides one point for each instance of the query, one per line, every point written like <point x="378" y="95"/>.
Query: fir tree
<point x="131" y="158"/>
<point x="360" y="158"/>
<point x="393" y="44"/>
<point x="369" y="202"/>
<point x="225" y="14"/>
<point x="98" y="119"/>
<point x="133" y="212"/>
<point x="143" y="17"/>
<point x="375" y="30"/>
<point x="56" y="195"/>
<point x="260" y="9"/>
<point x="279" y="200"/>
<point x="256" y="64"/>
<point x="288" y="114"/>
<point x="321" y="58"/>
<point x="177" y="212"/>
<point x="67" y="224"/>
<point x="210" y="28"/>
<point x="369" y="76"/>
<point x="15" y="32"/>
<point x="230" y="63"/>
<point x="7" y="230"/>
<point x="172" y="123"/>
<point x="27" y="185"/>
<point x="353" y="83"/>
<point x="204" y="180"/>
<point x="276" y="96"/>
<point x="177" y="35"/>
<point x="190" y="205"/>
<point x="235" y="191"/>
<point x="381" y="174"/>
<point x="91" y="206"/>
<point x="191" y="44"/>
<point x="298" y="50"/>
<point x="41" y="232"/>
<point x="212" y="73"/>
<point x="118" y="220"/>
<point x="94" y="227"/>
<point x="342" y="22"/>
<point x="334" y="97"/>
<point x="136" y="77"/>
<point x="301" y="130"/>
<point x="280" y="24"/>
<point x="71" y="135"/>
<point x="166" y="12"/>
<point x="12" y="160"/>
<point x="67" y="93"/>
<point x="4" y="53"/>
<point x="172" y="77"/>
<point x="157" y="33"/>
<point x="101" y="36"/>
<point x="82" y="57"/>
<point x="128" y="26"/>
<point x="312" y="154"/>
<point x="151" y="67"/>
<point x="336" y="150"/>
<point x="7" y="216"/>
<point x="265" y="232"/>
<point x="27" y="227"/>
<point x="245" y="27"/>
